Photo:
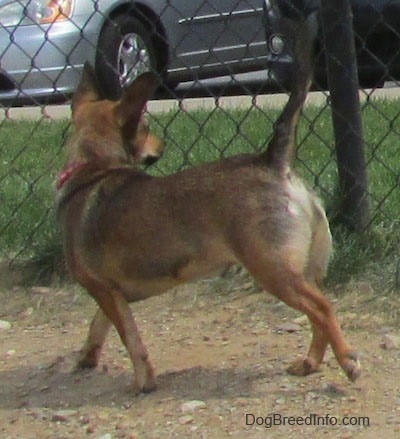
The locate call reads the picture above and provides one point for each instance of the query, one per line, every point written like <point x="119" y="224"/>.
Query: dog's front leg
<point x="117" y="310"/>
<point x="98" y="331"/>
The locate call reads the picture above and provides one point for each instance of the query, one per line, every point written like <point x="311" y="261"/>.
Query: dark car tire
<point x="125" y="50"/>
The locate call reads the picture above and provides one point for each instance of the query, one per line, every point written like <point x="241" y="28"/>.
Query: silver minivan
<point x="44" y="43"/>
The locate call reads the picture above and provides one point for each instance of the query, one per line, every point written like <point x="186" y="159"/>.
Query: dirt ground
<point x="220" y="348"/>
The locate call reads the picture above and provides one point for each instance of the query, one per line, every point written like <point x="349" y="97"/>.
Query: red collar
<point x="67" y="173"/>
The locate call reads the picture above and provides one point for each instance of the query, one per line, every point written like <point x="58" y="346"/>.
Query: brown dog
<point x="129" y="236"/>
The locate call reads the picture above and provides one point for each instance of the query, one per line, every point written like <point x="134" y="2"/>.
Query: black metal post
<point x="337" y="26"/>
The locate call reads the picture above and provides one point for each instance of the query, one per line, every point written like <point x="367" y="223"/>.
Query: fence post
<point x="337" y="26"/>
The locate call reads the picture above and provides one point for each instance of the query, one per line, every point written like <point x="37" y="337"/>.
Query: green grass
<point x="201" y="136"/>
<point x="31" y="156"/>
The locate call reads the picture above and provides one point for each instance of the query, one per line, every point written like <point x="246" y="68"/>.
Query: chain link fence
<point x="191" y="44"/>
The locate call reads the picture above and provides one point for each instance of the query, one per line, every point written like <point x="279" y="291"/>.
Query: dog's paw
<point x="86" y="362"/>
<point x="303" y="367"/>
<point x="137" y="389"/>
<point x="88" y="357"/>
<point x="352" y="366"/>
<point x="144" y="379"/>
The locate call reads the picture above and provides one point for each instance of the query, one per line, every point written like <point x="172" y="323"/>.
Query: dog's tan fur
<point x="129" y="236"/>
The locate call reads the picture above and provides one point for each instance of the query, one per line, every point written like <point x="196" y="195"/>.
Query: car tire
<point x="125" y="50"/>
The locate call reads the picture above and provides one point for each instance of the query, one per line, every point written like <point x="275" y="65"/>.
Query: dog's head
<point x="113" y="132"/>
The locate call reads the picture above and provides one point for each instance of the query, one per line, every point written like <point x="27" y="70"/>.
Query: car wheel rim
<point x="133" y="58"/>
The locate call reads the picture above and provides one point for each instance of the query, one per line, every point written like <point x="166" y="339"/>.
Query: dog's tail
<point x="281" y="149"/>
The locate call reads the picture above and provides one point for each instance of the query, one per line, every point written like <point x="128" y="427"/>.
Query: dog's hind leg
<point x="312" y="362"/>
<point x="318" y="258"/>
<point x="320" y="251"/>
<point x="98" y="331"/>
<point x="320" y="311"/>
<point x="275" y="271"/>
<point x="308" y="299"/>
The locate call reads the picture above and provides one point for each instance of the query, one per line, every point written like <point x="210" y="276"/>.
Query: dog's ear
<point x="87" y="90"/>
<point x="131" y="106"/>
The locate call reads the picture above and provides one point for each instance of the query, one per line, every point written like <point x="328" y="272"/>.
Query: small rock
<point x="390" y="342"/>
<point x="39" y="415"/>
<point x="124" y="426"/>
<point x="191" y="406"/>
<point x="63" y="415"/>
<point x="40" y="290"/>
<point x="335" y="390"/>
<point x="187" y="419"/>
<point x="10" y="353"/>
<point x="302" y="320"/>
<point x="84" y="420"/>
<point x="91" y="429"/>
<point x="350" y="316"/>
<point x="104" y="417"/>
<point x="377" y="320"/>
<point x="288" y="327"/>
<point x="365" y="288"/>
<point x="4" y="325"/>
<point x="392" y="419"/>
<point x="23" y="403"/>
<point x="27" y="313"/>
<point x="310" y="396"/>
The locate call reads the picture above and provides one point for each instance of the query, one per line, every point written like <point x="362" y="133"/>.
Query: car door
<point x="216" y="37"/>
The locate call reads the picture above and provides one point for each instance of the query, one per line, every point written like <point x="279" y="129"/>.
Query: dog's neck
<point x="69" y="171"/>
